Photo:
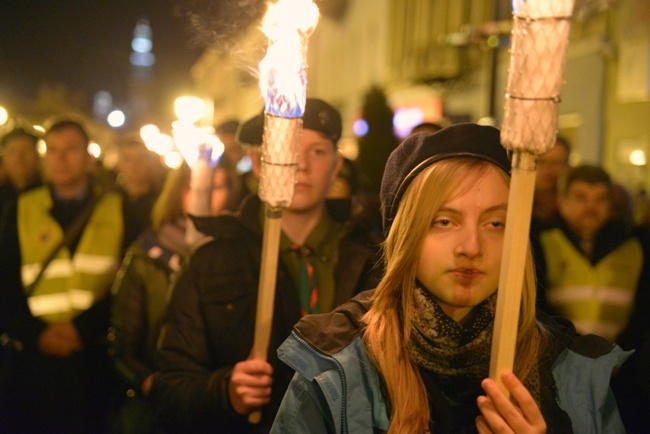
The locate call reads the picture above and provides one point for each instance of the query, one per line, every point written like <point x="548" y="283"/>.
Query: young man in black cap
<point x="207" y="381"/>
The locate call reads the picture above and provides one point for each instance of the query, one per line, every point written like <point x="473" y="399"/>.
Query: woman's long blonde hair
<point x="389" y="320"/>
<point x="169" y="206"/>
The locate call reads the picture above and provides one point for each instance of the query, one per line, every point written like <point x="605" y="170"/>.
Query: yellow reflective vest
<point x="597" y="298"/>
<point x="70" y="284"/>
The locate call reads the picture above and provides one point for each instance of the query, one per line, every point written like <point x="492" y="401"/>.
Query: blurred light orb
<point x="41" y="147"/>
<point x="638" y="158"/>
<point x="116" y="118"/>
<point x="142" y="59"/>
<point x="39" y="128"/>
<point x="405" y="119"/>
<point x="141" y="45"/>
<point x="148" y="134"/>
<point x="4" y="115"/>
<point x="493" y="41"/>
<point x="360" y="127"/>
<point x="162" y="144"/>
<point x="189" y="108"/>
<point x="94" y="149"/>
<point x="487" y="120"/>
<point x="173" y="160"/>
<point x="245" y="164"/>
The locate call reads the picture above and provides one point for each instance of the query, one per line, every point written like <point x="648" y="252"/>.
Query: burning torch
<point x="202" y="151"/>
<point x="540" y="35"/>
<point x="288" y="24"/>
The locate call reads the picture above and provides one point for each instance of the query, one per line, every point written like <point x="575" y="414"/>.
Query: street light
<point x="116" y="118"/>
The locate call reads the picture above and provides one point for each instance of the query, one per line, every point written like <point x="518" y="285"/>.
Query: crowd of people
<point x="114" y="320"/>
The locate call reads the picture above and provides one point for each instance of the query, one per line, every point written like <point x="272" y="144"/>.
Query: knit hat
<point x="318" y="116"/>
<point x="421" y="150"/>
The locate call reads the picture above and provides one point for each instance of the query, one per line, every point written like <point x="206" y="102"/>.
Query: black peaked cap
<point x="318" y="116"/>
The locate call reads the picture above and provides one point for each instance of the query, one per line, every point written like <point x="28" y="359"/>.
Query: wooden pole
<point x="287" y="25"/>
<point x="266" y="290"/>
<point x="539" y="38"/>
<point x="268" y="277"/>
<point x="513" y="264"/>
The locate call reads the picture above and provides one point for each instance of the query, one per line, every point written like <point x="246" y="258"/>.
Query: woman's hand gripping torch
<point x="288" y="24"/>
<point x="539" y="38"/>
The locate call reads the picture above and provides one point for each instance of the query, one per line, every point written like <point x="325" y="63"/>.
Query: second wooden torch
<point x="539" y="39"/>
<point x="288" y="24"/>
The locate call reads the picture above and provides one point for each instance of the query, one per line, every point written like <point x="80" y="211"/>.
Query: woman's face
<point x="460" y="258"/>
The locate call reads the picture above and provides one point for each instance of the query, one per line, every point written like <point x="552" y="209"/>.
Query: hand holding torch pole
<point x="539" y="38"/>
<point x="288" y="24"/>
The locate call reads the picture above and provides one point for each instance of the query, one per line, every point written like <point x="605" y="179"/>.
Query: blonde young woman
<point x="413" y="355"/>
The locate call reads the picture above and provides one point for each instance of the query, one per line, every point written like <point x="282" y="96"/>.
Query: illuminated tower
<point x="140" y="81"/>
<point x="142" y="59"/>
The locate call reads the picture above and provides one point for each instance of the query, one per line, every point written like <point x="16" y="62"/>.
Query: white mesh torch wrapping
<point x="283" y="81"/>
<point x="539" y="38"/>
<point x="279" y="160"/>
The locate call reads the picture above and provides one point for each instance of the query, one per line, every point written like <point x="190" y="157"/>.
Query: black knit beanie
<point x="421" y="150"/>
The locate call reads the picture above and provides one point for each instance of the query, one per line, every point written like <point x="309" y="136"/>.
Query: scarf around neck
<point x="458" y="355"/>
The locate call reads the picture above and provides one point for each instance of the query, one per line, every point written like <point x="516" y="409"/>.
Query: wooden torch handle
<point x="513" y="263"/>
<point x="266" y="291"/>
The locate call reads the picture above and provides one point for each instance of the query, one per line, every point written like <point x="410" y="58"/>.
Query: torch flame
<point x="288" y="24"/>
<point x="195" y="144"/>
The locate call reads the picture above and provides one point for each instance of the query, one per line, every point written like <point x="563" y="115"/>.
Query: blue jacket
<point x="336" y="388"/>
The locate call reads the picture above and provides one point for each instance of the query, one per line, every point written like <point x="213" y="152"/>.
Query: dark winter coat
<point x="211" y="321"/>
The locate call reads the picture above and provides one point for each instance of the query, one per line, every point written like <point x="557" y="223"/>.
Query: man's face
<point x="66" y="161"/>
<point x="550" y="166"/>
<point x="460" y="258"/>
<point x="585" y="207"/>
<point x="318" y="164"/>
<point x="20" y="160"/>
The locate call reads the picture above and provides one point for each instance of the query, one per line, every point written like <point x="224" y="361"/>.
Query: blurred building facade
<point x="449" y="58"/>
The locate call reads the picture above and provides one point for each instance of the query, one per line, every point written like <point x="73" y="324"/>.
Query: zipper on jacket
<point x="341" y="372"/>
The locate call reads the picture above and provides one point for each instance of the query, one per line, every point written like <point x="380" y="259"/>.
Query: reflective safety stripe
<point x="57" y="268"/>
<point x="93" y="264"/>
<point x="62" y="302"/>
<point x="62" y="268"/>
<point x="583" y="293"/>
<point x="607" y="329"/>
<point x="611" y="295"/>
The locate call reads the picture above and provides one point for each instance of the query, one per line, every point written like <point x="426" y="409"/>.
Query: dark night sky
<point x="85" y="45"/>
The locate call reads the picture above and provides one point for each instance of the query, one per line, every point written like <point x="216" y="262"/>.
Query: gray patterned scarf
<point x="458" y="355"/>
